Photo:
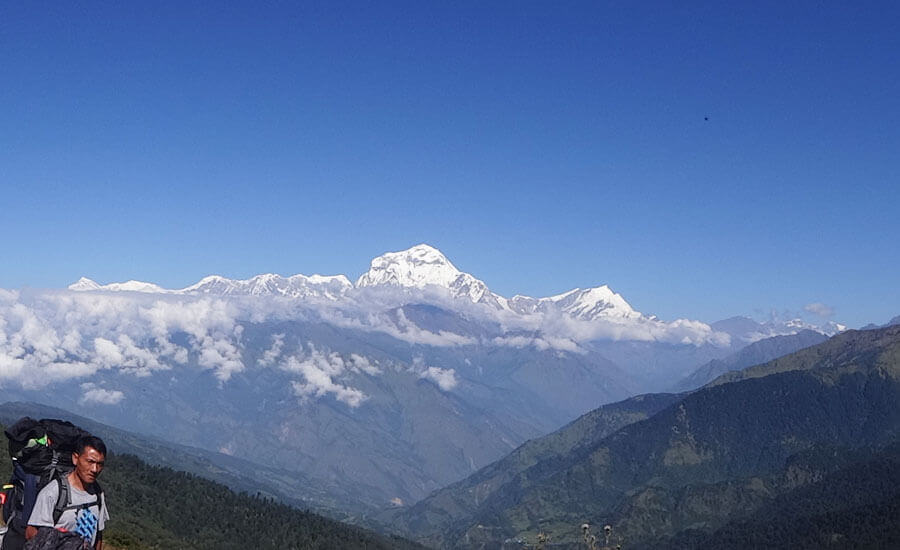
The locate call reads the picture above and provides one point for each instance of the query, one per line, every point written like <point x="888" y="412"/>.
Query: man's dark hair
<point x="90" y="441"/>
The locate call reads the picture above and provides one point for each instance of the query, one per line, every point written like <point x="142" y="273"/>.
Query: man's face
<point x="88" y="464"/>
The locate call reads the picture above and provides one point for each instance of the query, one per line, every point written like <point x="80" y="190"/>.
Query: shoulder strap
<point x="99" y="498"/>
<point x="30" y="489"/>
<point x="62" y="500"/>
<point x="65" y="503"/>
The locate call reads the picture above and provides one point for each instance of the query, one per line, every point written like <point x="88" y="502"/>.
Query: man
<point x="84" y="509"/>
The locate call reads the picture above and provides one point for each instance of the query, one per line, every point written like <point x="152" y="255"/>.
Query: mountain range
<point x="419" y="267"/>
<point x="424" y="267"/>
<point x="370" y="394"/>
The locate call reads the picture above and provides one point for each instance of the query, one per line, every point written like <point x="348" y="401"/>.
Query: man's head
<point x="89" y="458"/>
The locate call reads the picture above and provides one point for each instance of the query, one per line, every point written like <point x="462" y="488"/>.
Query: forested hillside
<point x="857" y="506"/>
<point x="155" y="508"/>
<point x="454" y="504"/>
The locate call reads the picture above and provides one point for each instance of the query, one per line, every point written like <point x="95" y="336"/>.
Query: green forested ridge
<point x="155" y="508"/>
<point x="851" y="349"/>
<point x="856" y="506"/>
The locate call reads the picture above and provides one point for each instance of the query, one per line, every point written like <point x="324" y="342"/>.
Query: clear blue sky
<point x="541" y="146"/>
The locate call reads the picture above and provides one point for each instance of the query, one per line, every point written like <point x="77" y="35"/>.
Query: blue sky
<point x="541" y="146"/>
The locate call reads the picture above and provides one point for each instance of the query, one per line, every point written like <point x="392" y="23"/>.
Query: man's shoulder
<point x="42" y="514"/>
<point x="51" y="490"/>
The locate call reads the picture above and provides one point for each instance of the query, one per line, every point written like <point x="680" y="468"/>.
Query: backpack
<point x="41" y="451"/>
<point x="48" y="538"/>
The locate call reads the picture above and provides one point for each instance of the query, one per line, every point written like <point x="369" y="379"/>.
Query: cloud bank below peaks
<point x="49" y="336"/>
<point x="84" y="338"/>
<point x="53" y="336"/>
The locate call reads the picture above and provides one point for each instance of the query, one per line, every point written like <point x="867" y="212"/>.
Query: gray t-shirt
<point x="87" y="522"/>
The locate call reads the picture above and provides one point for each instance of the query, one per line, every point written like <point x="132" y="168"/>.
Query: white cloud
<point x="271" y="355"/>
<point x="107" y="353"/>
<point x="514" y="341"/>
<point x="680" y="331"/>
<point x="319" y="370"/>
<point x="444" y="378"/>
<point x="52" y="336"/>
<point x="363" y="364"/>
<point x="94" y="394"/>
<point x="540" y="343"/>
<point x="401" y="329"/>
<point x="8" y="296"/>
<point x="820" y="309"/>
<point x="48" y="336"/>
<point x="221" y="356"/>
<point x="563" y="344"/>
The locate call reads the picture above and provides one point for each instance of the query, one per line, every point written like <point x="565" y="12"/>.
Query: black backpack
<point x="41" y="451"/>
<point x="48" y="538"/>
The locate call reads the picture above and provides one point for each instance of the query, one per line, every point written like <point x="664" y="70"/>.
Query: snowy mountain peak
<point x="593" y="303"/>
<point x="416" y="267"/>
<point x="136" y="286"/>
<point x="746" y="330"/>
<point x="83" y="284"/>
<point x="270" y="284"/>
<point x="586" y="304"/>
<point x="421" y="266"/>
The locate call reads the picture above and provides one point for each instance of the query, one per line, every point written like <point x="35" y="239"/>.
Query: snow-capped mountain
<point x="588" y="304"/>
<point x="422" y="266"/>
<point x="297" y="286"/>
<point x="425" y="268"/>
<point x="829" y="328"/>
<point x="419" y="267"/>
<point x="745" y="330"/>
<point x="85" y="284"/>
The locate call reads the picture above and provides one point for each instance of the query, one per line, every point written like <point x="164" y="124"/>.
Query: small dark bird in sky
<point x="706" y="118"/>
